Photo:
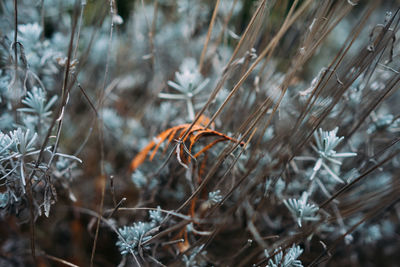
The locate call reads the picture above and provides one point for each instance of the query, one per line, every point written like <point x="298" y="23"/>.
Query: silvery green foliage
<point x="65" y="172"/>
<point x="139" y="179"/>
<point x="23" y="131"/>
<point x="189" y="83"/>
<point x="139" y="26"/>
<point x="165" y="114"/>
<point x="41" y="56"/>
<point x="156" y="216"/>
<point x="100" y="47"/>
<point x="301" y="210"/>
<point x="60" y="40"/>
<point x="189" y="80"/>
<point x="5" y="144"/>
<point x="241" y="163"/>
<point x="64" y="169"/>
<point x="289" y="258"/>
<point x="194" y="258"/>
<point x="373" y="233"/>
<point x="54" y="4"/>
<point x="30" y="33"/>
<point x="18" y="143"/>
<point x="192" y="14"/>
<point x="384" y="122"/>
<point x="215" y="197"/>
<point x="151" y="58"/>
<point x="14" y="147"/>
<point x="3" y="199"/>
<point x="4" y="82"/>
<point x="170" y="39"/>
<point x="112" y="121"/>
<point x="226" y="6"/>
<point x="131" y="236"/>
<point x="132" y="134"/>
<point x="326" y="142"/>
<point x="278" y="188"/>
<point x="369" y="233"/>
<point x="36" y="102"/>
<point x="222" y="95"/>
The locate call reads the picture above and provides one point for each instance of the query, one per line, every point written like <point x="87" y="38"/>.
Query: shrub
<point x="199" y="133"/>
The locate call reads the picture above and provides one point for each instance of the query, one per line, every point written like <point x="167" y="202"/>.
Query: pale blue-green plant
<point x="6" y="121"/>
<point x="37" y="104"/>
<point x="17" y="148"/>
<point x="22" y="142"/>
<point x="4" y="82"/>
<point x="384" y="122"/>
<point x="139" y="179"/>
<point x="194" y="258"/>
<point x="14" y="147"/>
<point x="301" y="210"/>
<point x="277" y="189"/>
<point x="3" y="199"/>
<point x="215" y="197"/>
<point x="189" y="83"/>
<point x="328" y="162"/>
<point x="156" y="216"/>
<point x="30" y="33"/>
<point x="287" y="258"/>
<point x="132" y="236"/>
<point x="112" y="121"/>
<point x="64" y="167"/>
<point x="326" y="142"/>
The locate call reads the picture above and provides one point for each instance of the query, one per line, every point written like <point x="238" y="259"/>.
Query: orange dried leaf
<point x="141" y="157"/>
<point x="207" y="147"/>
<point x="204" y="121"/>
<point x="160" y="139"/>
<point x="195" y="133"/>
<point x="173" y="133"/>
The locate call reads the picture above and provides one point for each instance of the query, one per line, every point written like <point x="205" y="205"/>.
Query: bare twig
<point x="100" y="129"/>
<point x="210" y="28"/>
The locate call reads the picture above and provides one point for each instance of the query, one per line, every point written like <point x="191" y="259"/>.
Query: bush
<point x="199" y="133"/>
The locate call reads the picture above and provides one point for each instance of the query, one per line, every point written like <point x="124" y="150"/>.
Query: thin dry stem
<point x="210" y="28"/>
